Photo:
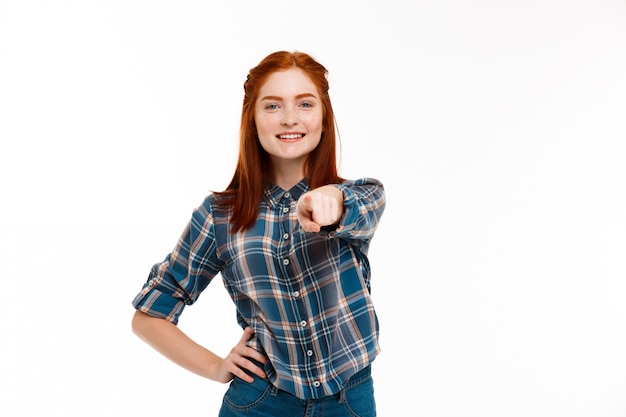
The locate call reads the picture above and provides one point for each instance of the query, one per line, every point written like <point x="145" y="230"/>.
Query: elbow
<point x="137" y="322"/>
<point x="144" y="325"/>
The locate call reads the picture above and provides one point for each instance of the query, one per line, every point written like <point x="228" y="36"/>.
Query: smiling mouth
<point x="291" y="136"/>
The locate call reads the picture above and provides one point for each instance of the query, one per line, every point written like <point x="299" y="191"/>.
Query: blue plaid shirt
<point x="306" y="295"/>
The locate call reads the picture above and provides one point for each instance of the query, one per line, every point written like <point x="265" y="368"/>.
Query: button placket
<point x="285" y="208"/>
<point x="283" y="243"/>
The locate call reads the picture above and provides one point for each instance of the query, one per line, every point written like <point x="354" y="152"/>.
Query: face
<point x="288" y="117"/>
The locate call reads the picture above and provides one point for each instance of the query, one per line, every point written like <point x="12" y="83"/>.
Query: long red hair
<point x="254" y="167"/>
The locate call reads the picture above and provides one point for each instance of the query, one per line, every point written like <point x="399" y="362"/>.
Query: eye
<point x="306" y="104"/>
<point x="271" y="106"/>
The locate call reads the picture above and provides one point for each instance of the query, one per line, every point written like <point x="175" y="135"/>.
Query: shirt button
<point x="303" y="323"/>
<point x="285" y="261"/>
<point x="286" y="236"/>
<point x="316" y="384"/>
<point x="287" y="195"/>
<point x="296" y="294"/>
<point x="151" y="283"/>
<point x="309" y="352"/>
<point x="285" y="209"/>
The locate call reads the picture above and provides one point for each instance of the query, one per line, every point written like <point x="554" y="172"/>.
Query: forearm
<point x="174" y="344"/>
<point x="364" y="204"/>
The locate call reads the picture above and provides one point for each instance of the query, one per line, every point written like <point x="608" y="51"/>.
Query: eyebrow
<point x="299" y="96"/>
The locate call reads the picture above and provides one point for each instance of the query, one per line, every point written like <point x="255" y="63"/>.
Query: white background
<point x="497" y="127"/>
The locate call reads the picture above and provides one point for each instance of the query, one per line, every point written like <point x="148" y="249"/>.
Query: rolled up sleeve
<point x="179" y="279"/>
<point x="364" y="204"/>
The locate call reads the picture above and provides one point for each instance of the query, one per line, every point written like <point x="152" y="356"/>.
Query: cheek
<point x="262" y="123"/>
<point x="314" y="122"/>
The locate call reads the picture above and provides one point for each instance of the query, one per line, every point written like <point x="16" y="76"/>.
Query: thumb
<point x="248" y="332"/>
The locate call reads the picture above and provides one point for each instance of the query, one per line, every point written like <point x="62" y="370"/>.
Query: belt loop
<point x="342" y="395"/>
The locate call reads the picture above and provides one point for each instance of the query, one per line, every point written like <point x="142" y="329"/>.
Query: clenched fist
<point x="322" y="206"/>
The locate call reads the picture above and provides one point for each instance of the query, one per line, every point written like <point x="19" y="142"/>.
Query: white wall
<point x="499" y="269"/>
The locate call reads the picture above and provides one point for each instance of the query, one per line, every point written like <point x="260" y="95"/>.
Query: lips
<point x="290" y="136"/>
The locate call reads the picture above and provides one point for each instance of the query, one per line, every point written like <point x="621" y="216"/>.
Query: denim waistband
<point x="354" y="380"/>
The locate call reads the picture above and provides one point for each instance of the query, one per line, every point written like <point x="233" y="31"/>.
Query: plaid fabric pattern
<point x="307" y="295"/>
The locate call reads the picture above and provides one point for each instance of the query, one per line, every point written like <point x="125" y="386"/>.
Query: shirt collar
<point x="274" y="194"/>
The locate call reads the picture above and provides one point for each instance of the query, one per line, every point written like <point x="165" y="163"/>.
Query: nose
<point x="288" y="118"/>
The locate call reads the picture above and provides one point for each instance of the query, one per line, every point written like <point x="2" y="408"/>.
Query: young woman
<point x="290" y="239"/>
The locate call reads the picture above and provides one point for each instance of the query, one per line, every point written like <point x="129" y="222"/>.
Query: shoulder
<point x="363" y="187"/>
<point x="365" y="181"/>
<point x="212" y="207"/>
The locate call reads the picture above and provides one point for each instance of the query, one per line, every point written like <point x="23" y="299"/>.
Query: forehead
<point x="291" y="82"/>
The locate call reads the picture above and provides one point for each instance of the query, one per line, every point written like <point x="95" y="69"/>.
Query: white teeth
<point x="293" y="136"/>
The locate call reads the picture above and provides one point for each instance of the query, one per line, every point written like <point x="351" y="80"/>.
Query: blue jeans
<point x="261" y="399"/>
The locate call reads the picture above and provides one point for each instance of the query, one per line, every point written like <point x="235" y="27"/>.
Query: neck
<point x="288" y="173"/>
